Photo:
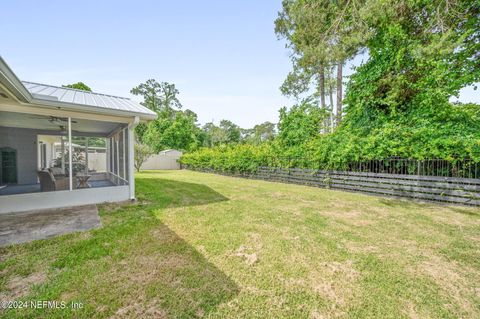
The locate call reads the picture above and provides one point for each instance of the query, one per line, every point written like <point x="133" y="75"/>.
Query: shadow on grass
<point x="133" y="267"/>
<point x="162" y="193"/>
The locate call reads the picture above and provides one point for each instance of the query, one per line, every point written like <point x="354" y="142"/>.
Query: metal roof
<point x="54" y="96"/>
<point x="74" y="96"/>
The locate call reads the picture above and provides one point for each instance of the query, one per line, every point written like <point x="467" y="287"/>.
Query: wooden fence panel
<point x="455" y="190"/>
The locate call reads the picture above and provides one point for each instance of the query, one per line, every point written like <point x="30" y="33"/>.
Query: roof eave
<point x="12" y="83"/>
<point x="90" y="109"/>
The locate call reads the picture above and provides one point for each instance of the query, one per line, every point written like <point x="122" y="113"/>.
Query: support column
<point x="131" y="157"/>
<point x="86" y="155"/>
<point x="70" y="166"/>
<point x="124" y="157"/>
<point x="63" y="153"/>
<point x="107" y="154"/>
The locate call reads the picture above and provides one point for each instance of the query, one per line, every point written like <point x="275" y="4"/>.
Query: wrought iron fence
<point x="463" y="168"/>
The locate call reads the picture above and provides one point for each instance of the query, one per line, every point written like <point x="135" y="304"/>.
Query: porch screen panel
<point x="112" y="155"/>
<point x="33" y="153"/>
<point x="115" y="155"/>
<point x="121" y="157"/>
<point x="126" y="146"/>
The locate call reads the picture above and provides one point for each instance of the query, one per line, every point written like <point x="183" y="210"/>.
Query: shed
<point x="166" y="159"/>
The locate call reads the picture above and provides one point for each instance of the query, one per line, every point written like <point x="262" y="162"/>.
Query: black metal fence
<point x="464" y="168"/>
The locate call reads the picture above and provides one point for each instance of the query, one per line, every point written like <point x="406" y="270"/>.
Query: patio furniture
<point x="82" y="180"/>
<point x="50" y="183"/>
<point x="57" y="172"/>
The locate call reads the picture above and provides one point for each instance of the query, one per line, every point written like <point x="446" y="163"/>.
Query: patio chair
<point x="57" y="172"/>
<point x="50" y="183"/>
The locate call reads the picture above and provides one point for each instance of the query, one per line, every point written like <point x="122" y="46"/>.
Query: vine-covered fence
<point x="446" y="189"/>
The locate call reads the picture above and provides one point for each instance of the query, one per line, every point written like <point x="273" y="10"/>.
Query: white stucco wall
<point x="25" y="142"/>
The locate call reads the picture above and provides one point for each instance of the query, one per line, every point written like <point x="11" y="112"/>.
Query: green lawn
<point x="202" y="245"/>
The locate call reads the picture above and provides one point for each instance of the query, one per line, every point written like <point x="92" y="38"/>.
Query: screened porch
<point x="40" y="154"/>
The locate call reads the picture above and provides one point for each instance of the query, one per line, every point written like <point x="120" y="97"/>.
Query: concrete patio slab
<point x="40" y="224"/>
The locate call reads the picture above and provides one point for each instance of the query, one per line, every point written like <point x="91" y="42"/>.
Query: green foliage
<point x="79" y="86"/>
<point x="453" y="133"/>
<point x="420" y="54"/>
<point x="78" y="161"/>
<point x="232" y="131"/>
<point x="142" y="153"/>
<point x="301" y="123"/>
<point x="173" y="128"/>
<point x="259" y="134"/>
<point x="176" y="130"/>
<point x="233" y="158"/>
<point x="158" y="96"/>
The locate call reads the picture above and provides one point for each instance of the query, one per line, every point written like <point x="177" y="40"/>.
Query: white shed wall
<point x="162" y="161"/>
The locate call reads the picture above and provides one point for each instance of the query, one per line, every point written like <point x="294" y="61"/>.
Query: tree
<point x="420" y="55"/>
<point x="301" y="123"/>
<point x="232" y="131"/>
<point x="158" y="96"/>
<point x="320" y="34"/>
<point x="79" y="86"/>
<point x="179" y="131"/>
<point x="214" y="135"/>
<point x="259" y="134"/>
<point x="142" y="153"/>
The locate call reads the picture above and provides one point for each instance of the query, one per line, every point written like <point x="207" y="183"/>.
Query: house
<point x="167" y="159"/>
<point x="64" y="147"/>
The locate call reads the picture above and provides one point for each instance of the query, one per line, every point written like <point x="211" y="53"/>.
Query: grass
<point x="202" y="245"/>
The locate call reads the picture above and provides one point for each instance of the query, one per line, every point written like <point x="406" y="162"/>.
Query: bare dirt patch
<point x="249" y="252"/>
<point x="250" y="259"/>
<point x="140" y="310"/>
<point x="20" y="286"/>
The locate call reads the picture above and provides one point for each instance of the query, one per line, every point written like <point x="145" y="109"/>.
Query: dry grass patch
<point x="18" y="287"/>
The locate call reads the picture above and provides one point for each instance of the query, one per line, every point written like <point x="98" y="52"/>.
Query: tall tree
<point x="321" y="33"/>
<point x="232" y="130"/>
<point x="339" y="93"/>
<point x="321" y="85"/>
<point x="158" y="96"/>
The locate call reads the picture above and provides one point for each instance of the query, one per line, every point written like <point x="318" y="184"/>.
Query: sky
<point x="223" y="56"/>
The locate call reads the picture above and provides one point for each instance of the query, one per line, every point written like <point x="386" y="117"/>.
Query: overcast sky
<point x="223" y="55"/>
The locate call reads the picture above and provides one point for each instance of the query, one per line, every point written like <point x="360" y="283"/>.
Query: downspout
<point x="131" y="152"/>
